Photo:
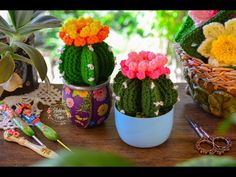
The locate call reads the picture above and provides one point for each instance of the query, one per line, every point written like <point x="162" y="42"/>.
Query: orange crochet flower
<point x="92" y="40"/>
<point x="79" y="42"/>
<point x="62" y="34"/>
<point x="103" y="33"/>
<point x="67" y="40"/>
<point x="83" y="31"/>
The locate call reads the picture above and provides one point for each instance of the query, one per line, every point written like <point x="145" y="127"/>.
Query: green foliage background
<point x="163" y="24"/>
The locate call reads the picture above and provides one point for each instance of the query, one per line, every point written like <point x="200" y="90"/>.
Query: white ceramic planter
<point x="144" y="132"/>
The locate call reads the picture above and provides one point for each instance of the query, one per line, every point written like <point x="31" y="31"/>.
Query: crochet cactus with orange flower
<point x="86" y="59"/>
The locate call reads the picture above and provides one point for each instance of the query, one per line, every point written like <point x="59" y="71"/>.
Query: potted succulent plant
<point x="144" y="100"/>
<point x="86" y="64"/>
<point x="19" y="59"/>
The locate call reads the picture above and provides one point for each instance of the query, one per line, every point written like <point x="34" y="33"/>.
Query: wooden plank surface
<point x="178" y="148"/>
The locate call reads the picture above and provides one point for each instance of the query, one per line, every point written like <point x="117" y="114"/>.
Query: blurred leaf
<point x="13" y="17"/>
<point x="6" y="62"/>
<point x="36" y="57"/>
<point x="227" y="123"/>
<point x="38" y="23"/>
<point x="82" y="157"/>
<point x="23" y="59"/>
<point x="21" y="17"/>
<point x="5" y="28"/>
<point x="4" y="47"/>
<point x="209" y="161"/>
<point x="36" y="13"/>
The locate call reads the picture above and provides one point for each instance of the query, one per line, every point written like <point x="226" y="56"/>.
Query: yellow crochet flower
<point x="220" y="43"/>
<point x="70" y="28"/>
<point x="83" y="31"/>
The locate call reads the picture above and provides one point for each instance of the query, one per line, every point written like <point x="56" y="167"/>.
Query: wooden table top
<point x="178" y="148"/>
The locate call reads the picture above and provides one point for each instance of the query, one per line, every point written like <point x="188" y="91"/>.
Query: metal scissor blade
<point x="195" y="127"/>
<point x="201" y="129"/>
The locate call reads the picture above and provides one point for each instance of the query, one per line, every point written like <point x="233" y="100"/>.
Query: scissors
<point x="210" y="144"/>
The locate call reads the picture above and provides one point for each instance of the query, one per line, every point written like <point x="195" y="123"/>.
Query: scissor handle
<point x="211" y="145"/>
<point x="205" y="146"/>
<point x="222" y="144"/>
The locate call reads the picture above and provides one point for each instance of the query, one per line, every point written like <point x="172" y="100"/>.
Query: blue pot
<point x="144" y="132"/>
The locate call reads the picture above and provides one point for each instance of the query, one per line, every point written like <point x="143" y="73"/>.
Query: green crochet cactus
<point x="88" y="65"/>
<point x="144" y="98"/>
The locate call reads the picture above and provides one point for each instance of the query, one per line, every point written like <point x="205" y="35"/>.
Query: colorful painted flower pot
<point x="87" y="106"/>
<point x="144" y="132"/>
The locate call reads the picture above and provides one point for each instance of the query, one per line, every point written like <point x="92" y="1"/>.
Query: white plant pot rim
<point x="87" y="88"/>
<point x="143" y="118"/>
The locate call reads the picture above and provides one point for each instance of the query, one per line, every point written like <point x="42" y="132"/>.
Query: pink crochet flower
<point x="144" y="64"/>
<point x="202" y="16"/>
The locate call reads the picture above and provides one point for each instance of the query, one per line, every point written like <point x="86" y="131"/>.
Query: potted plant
<point x="206" y="44"/>
<point x="144" y="100"/>
<point x="18" y="56"/>
<point x="86" y="64"/>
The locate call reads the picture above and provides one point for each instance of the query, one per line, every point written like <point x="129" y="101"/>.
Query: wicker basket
<point x="214" y="88"/>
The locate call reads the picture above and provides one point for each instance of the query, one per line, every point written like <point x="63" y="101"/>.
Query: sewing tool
<point x="12" y="135"/>
<point x="210" y="144"/>
<point x="23" y="126"/>
<point x="24" y="110"/>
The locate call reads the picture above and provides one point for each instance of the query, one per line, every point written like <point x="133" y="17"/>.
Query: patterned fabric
<point x="87" y="108"/>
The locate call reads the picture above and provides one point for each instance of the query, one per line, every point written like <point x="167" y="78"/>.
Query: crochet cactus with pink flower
<point x="86" y="59"/>
<point x="142" y="88"/>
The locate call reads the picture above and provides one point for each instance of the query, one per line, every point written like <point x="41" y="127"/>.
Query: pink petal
<point x="133" y="66"/>
<point x="130" y="74"/>
<point x="154" y="74"/>
<point x="142" y="66"/>
<point x="143" y="55"/>
<point x="141" y="75"/>
<point x="201" y="16"/>
<point x="151" y="55"/>
<point x="122" y="63"/>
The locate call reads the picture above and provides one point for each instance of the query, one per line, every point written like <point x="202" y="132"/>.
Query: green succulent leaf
<point x="6" y="62"/>
<point x="13" y="17"/>
<point x="22" y="58"/>
<point x="82" y="157"/>
<point x="36" y="13"/>
<point x="4" y="47"/>
<point x="36" y="57"/>
<point x="209" y="161"/>
<point x="5" y="27"/>
<point x="39" y="23"/>
<point x="20" y="17"/>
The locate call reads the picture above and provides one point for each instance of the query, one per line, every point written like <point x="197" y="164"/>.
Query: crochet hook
<point x="23" y="126"/>
<point x="12" y="135"/>
<point x="24" y="110"/>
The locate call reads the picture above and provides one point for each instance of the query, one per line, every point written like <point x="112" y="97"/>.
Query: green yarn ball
<point x="87" y="65"/>
<point x="144" y="98"/>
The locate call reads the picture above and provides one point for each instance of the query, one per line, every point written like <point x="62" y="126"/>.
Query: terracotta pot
<point x="87" y="106"/>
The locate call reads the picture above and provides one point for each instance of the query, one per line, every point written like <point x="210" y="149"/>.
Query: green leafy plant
<point x="86" y="157"/>
<point x="209" y="161"/>
<point x="22" y="25"/>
